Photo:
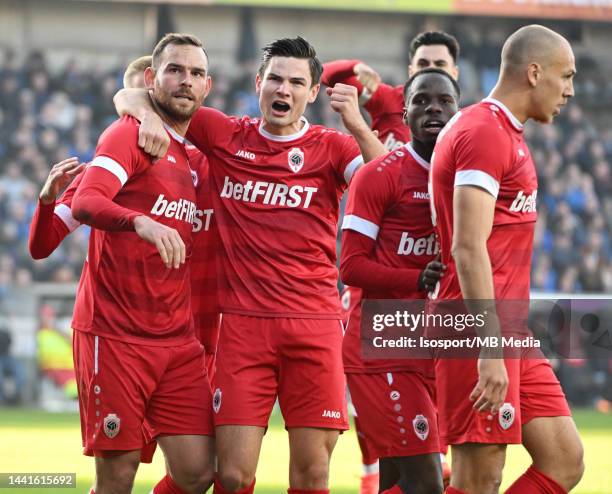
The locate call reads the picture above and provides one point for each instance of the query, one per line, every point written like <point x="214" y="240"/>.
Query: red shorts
<point x="129" y="394"/>
<point x="533" y="391"/>
<point x="396" y="412"/>
<point x="298" y="360"/>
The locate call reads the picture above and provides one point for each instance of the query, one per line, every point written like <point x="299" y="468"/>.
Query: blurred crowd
<point x="48" y="115"/>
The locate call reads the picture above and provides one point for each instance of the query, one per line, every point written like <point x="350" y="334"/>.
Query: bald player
<point x="483" y="188"/>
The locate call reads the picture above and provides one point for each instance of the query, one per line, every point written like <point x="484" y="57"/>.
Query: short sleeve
<point x="209" y="127"/>
<point x="118" y="151"/>
<point x="386" y="99"/>
<point x="370" y="194"/>
<point x="483" y="154"/>
<point x="346" y="156"/>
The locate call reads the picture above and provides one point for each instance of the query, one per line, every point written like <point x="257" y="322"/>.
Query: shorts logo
<point x="296" y="159"/>
<point x="394" y="395"/>
<point x="506" y="416"/>
<point x="332" y="414"/>
<point x="217" y="400"/>
<point x="421" y="427"/>
<point x="112" y="425"/>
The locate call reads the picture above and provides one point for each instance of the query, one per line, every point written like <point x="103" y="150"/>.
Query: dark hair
<point x="175" y="39"/>
<point x="295" y="48"/>
<point x="429" y="38"/>
<point x="432" y="71"/>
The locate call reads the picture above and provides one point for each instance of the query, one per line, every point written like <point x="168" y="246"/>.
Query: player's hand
<point x="345" y="101"/>
<point x="490" y="391"/>
<point x="60" y="176"/>
<point x="367" y="76"/>
<point x="152" y="136"/>
<point x="431" y="275"/>
<point x="169" y="243"/>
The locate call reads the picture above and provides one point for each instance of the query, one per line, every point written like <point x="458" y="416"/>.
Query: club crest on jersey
<point x="217" y="400"/>
<point x="296" y="159"/>
<point x="506" y="416"/>
<point x="421" y="427"/>
<point x="112" y="425"/>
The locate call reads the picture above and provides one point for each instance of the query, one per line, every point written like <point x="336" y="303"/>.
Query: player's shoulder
<point x="124" y="129"/>
<point x="482" y="123"/>
<point x="385" y="168"/>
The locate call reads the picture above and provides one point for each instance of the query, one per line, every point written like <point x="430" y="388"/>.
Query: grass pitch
<point x="34" y="441"/>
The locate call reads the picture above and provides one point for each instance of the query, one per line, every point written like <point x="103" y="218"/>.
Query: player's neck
<point x="283" y="130"/>
<point x="512" y="99"/>
<point x="423" y="149"/>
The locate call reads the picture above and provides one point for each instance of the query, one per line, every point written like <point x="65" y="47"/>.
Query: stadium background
<point x="62" y="60"/>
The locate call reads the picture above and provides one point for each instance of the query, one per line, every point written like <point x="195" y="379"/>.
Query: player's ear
<point x="149" y="77"/>
<point x="405" y="116"/>
<point x="534" y="73"/>
<point x="208" y="85"/>
<point x="257" y="83"/>
<point x="314" y="91"/>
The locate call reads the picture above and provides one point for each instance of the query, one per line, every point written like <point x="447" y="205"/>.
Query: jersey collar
<point x="416" y="156"/>
<point x="513" y="120"/>
<point x="176" y="136"/>
<point x="291" y="137"/>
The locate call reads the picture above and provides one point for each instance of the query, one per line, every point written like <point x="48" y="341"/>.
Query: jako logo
<point x="332" y="414"/>
<point x="523" y="203"/>
<point x="418" y="246"/>
<point x="273" y="193"/>
<point x="420" y="195"/>
<point x="182" y="209"/>
<point x="241" y="153"/>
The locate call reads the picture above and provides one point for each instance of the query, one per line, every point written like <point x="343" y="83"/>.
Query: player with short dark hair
<point x="138" y="362"/>
<point x="483" y="196"/>
<point x="278" y="181"/>
<point x="387" y="215"/>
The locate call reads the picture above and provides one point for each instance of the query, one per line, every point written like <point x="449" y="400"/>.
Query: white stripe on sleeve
<point x="479" y="179"/>
<point x="65" y="214"/>
<point x="352" y="168"/>
<point x="112" y="166"/>
<point x="365" y="227"/>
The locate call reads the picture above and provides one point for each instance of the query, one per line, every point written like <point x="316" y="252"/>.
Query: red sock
<point x="218" y="489"/>
<point x="453" y="490"/>
<point x="394" y="490"/>
<point x="92" y="491"/>
<point x="307" y="491"/>
<point x="167" y="486"/>
<point x="535" y="482"/>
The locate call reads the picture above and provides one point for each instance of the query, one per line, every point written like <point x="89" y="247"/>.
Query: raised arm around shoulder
<point x="133" y="102"/>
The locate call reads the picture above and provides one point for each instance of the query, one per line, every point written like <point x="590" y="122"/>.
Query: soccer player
<point x="137" y="360"/>
<point x="483" y="190"/>
<point x="53" y="221"/>
<point x="278" y="181"/>
<point x="385" y="103"/>
<point x="389" y="251"/>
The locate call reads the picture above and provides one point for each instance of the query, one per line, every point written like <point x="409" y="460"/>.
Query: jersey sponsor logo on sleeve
<point x="424" y="246"/>
<point x="421" y="427"/>
<point x="391" y="143"/>
<point x="182" y="210"/>
<point x="241" y="153"/>
<point x="524" y="203"/>
<point x="268" y="193"/>
<point x="202" y="219"/>
<point x="296" y="159"/>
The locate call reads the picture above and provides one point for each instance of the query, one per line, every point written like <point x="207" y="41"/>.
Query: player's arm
<point x="341" y="71"/>
<point x="344" y="101"/>
<point x="52" y="222"/>
<point x="152" y="136"/>
<point x="482" y="155"/>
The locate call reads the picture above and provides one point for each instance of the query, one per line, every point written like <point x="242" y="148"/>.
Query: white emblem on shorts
<point x="506" y="416"/>
<point x="97" y="389"/>
<point x="394" y="395"/>
<point x="296" y="159"/>
<point x="112" y="425"/>
<point x="421" y="427"/>
<point x="217" y="400"/>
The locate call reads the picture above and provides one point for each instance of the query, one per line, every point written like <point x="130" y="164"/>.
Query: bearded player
<point x="278" y="181"/>
<point x="389" y="252"/>
<point x="483" y="190"/>
<point x="136" y="356"/>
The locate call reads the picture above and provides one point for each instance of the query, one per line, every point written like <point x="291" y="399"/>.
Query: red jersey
<point x="389" y="203"/>
<point x="276" y="200"/>
<point x="205" y="248"/>
<point x="483" y="145"/>
<point x="126" y="292"/>
<point x="385" y="106"/>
